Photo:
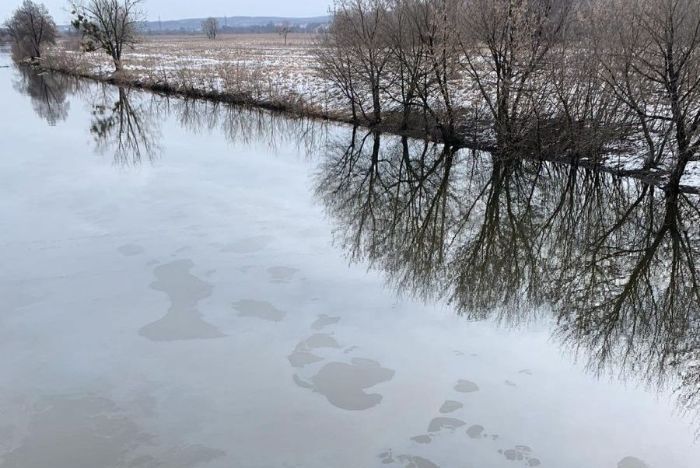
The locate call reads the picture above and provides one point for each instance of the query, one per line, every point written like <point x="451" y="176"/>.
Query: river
<point x="186" y="284"/>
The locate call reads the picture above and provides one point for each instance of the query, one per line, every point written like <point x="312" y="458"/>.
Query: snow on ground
<point x="259" y="63"/>
<point x="691" y="177"/>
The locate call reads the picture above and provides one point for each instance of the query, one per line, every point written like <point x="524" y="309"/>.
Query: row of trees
<point x="545" y="75"/>
<point x="512" y="76"/>
<point x="108" y="25"/>
<point x="210" y="27"/>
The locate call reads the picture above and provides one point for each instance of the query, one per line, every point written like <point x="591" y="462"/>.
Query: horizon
<point x="189" y="18"/>
<point x="155" y="10"/>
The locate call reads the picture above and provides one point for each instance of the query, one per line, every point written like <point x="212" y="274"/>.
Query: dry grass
<point x="264" y="51"/>
<point x="258" y="68"/>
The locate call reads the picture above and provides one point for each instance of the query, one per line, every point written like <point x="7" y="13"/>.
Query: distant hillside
<point x="237" y="24"/>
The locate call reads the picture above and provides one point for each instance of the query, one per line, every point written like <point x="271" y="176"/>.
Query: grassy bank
<point x="256" y="70"/>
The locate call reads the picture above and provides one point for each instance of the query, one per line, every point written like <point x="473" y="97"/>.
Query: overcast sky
<point x="179" y="9"/>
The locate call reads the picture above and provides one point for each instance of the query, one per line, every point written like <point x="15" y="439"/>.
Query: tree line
<point x="524" y="76"/>
<point x="108" y="25"/>
<point x="560" y="78"/>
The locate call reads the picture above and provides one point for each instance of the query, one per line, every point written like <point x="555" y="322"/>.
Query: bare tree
<point x="586" y="114"/>
<point x="30" y="27"/>
<point x="506" y="46"/>
<point x="333" y="64"/>
<point x="359" y="27"/>
<point x="535" y="77"/>
<point x="110" y="25"/>
<point x="437" y="26"/>
<point x="210" y="27"/>
<point x="409" y="64"/>
<point x="283" y="30"/>
<point x="650" y="53"/>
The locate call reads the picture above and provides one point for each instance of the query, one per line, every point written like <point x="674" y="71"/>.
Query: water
<point x="192" y="285"/>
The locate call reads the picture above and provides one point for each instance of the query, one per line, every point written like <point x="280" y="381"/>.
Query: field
<point x="261" y="66"/>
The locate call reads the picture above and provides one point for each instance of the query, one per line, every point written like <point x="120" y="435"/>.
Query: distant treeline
<point x="237" y="24"/>
<point x="253" y="29"/>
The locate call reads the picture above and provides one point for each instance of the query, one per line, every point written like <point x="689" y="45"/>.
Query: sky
<point x="180" y="9"/>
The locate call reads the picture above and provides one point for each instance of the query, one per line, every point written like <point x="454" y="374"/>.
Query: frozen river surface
<point x="189" y="285"/>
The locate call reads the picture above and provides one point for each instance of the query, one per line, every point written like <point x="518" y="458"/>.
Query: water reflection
<point x="124" y="126"/>
<point x="611" y="261"/>
<point x="127" y="122"/>
<point x="248" y="125"/>
<point x="48" y="93"/>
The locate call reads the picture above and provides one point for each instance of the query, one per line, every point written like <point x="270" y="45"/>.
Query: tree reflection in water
<point x="48" y="92"/>
<point x="125" y="125"/>
<point x="613" y="261"/>
<point x="127" y="122"/>
<point x="249" y="125"/>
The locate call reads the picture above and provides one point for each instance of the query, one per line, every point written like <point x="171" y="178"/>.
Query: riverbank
<point x="260" y="70"/>
<point x="256" y="70"/>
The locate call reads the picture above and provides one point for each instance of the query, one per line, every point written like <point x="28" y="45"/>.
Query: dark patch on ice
<point x="450" y="406"/>
<point x="303" y="358"/>
<point x="440" y="423"/>
<point x="344" y="384"/>
<point x="521" y="453"/>
<point x="386" y="458"/>
<point x="475" y="431"/>
<point x="319" y="340"/>
<point x="302" y="355"/>
<point x="466" y="386"/>
<point x="422" y="439"/>
<point x="91" y="431"/>
<point x="258" y="309"/>
<point x="631" y="462"/>
<point x="414" y="461"/>
<point x="182" y="321"/>
<point x="323" y="321"/>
